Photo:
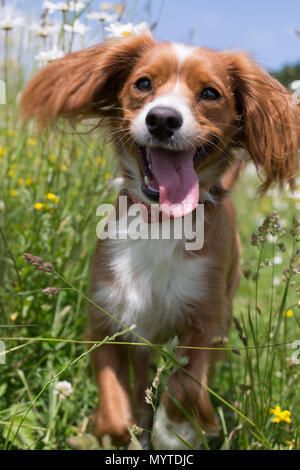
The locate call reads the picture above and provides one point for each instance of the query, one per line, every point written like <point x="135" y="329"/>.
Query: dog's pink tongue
<point x="177" y="180"/>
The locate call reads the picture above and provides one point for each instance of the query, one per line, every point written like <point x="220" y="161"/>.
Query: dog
<point x="177" y="116"/>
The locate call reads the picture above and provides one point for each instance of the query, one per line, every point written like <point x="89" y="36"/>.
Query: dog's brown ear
<point x="269" y="121"/>
<point x="84" y="83"/>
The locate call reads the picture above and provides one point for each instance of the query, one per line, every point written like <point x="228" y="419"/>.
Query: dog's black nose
<point x="163" y="121"/>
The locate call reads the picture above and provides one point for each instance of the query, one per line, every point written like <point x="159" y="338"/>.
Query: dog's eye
<point x="210" y="94"/>
<point x="143" y="84"/>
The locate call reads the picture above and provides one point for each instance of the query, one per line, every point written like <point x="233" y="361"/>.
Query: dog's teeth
<point x="153" y="189"/>
<point x="146" y="180"/>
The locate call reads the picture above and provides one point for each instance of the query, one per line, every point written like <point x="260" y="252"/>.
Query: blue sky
<point x="265" y="28"/>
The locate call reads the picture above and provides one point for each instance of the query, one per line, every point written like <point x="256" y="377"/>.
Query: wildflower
<point x="77" y="27"/>
<point x="107" y="176"/>
<point x="63" y="167"/>
<point x="28" y="181"/>
<point x="38" y="262"/>
<point x="13" y="193"/>
<point x="276" y="281"/>
<point x="149" y="396"/>
<point x="48" y="56"/>
<point x="63" y="6"/>
<point x="8" y="22"/>
<point x="13" y="316"/>
<point x="3" y="151"/>
<point x="101" y="16"/>
<point x="38" y="206"/>
<point x="51" y="196"/>
<point x="2" y="206"/>
<point x="278" y="259"/>
<point x="50" y="291"/>
<point x="20" y="181"/>
<point x="136" y="430"/>
<point x="289" y="313"/>
<point x="283" y="415"/>
<point x="119" y="30"/>
<point x="157" y="377"/>
<point x="11" y="172"/>
<point x="31" y="142"/>
<point x="63" y="389"/>
<point x="294" y="85"/>
<point x="101" y="160"/>
<point x="45" y="30"/>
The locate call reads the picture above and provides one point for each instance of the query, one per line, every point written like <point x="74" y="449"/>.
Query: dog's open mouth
<point x="170" y="178"/>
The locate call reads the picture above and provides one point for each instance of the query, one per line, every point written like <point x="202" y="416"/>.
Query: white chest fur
<point x="154" y="281"/>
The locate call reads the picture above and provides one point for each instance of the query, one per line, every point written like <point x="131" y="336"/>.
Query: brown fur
<point x="255" y="113"/>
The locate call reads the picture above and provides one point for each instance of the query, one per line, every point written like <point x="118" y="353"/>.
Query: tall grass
<point x="50" y="187"/>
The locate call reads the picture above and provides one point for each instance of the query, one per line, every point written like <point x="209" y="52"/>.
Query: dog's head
<point x="174" y="113"/>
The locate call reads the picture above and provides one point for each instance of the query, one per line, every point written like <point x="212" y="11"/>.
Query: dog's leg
<point x="191" y="396"/>
<point x="114" y="414"/>
<point x="142" y="411"/>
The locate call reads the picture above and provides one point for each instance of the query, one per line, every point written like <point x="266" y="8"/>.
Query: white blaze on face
<point x="172" y="160"/>
<point x="175" y="99"/>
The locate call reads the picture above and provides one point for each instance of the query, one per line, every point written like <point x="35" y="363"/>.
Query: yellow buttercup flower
<point x="57" y="199"/>
<point x="20" y="181"/>
<point x="13" y="316"/>
<point x="3" y="151"/>
<point x="51" y="196"/>
<point x="11" y="172"/>
<point x="63" y="167"/>
<point x="38" y="206"/>
<point x="31" y="142"/>
<point x="283" y="415"/>
<point x="101" y="160"/>
<point x="289" y="313"/>
<point x="107" y="175"/>
<point x="13" y="193"/>
<point x="29" y="181"/>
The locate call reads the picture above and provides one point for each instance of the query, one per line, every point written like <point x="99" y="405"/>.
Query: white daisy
<point x="278" y="259"/>
<point x="77" y="27"/>
<point x="101" y="16"/>
<point x="63" y="6"/>
<point x="119" y="30"/>
<point x="48" y="56"/>
<point x="9" y="22"/>
<point x="44" y="31"/>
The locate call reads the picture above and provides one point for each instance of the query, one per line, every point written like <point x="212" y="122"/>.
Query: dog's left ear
<point x="269" y="121"/>
<point x="85" y="83"/>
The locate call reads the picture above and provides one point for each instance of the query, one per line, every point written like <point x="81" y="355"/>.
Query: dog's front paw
<point x="165" y="429"/>
<point x="115" y="428"/>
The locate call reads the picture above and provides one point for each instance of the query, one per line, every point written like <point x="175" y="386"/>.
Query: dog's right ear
<point x="82" y="84"/>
